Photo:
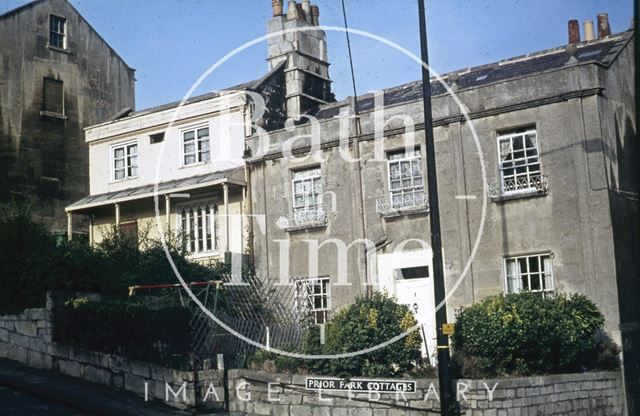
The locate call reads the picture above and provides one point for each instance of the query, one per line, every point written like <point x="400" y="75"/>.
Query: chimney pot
<point x="306" y="8"/>
<point x="574" y="31"/>
<point x="315" y="14"/>
<point x="603" y="25"/>
<point x="277" y="7"/>
<point x="589" y="34"/>
<point x="292" y="10"/>
<point x="301" y="14"/>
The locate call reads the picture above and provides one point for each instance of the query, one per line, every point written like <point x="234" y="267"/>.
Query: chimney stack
<point x="603" y="25"/>
<point x="315" y="15"/>
<point x="301" y="48"/>
<point x="574" y="31"/>
<point x="589" y="34"/>
<point x="277" y="7"/>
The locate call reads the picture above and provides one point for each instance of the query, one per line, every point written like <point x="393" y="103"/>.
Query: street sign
<point x="447" y="329"/>
<point x="360" y="385"/>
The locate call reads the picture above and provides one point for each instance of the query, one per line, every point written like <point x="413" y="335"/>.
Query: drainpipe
<point x="356" y="128"/>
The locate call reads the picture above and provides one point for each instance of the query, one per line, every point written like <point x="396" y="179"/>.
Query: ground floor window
<point x="313" y="296"/>
<point x="529" y="273"/>
<point x="198" y="227"/>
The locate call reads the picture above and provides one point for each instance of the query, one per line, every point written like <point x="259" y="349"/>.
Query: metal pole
<point x="448" y="404"/>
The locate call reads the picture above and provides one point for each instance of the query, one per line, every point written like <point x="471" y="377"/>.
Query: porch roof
<point x="233" y="176"/>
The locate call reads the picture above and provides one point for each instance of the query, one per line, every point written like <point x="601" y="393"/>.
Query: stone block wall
<point x="27" y="338"/>
<point x="588" y="394"/>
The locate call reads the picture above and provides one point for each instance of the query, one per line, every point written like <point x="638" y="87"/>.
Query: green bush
<point x="126" y="328"/>
<point x="26" y="250"/>
<point x="528" y="333"/>
<point x="33" y="261"/>
<point x="369" y="321"/>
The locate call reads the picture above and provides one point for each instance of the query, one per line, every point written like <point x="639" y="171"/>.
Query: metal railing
<point x="537" y="184"/>
<point x="308" y="217"/>
<point x="416" y="201"/>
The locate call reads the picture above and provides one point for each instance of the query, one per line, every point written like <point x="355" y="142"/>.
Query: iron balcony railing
<point x="537" y="184"/>
<point x="394" y="204"/>
<point x="308" y="217"/>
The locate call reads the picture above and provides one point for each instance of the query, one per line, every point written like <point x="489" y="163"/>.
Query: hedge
<point x="128" y="329"/>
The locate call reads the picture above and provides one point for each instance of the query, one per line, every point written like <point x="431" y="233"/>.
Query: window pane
<point x="53" y="96"/>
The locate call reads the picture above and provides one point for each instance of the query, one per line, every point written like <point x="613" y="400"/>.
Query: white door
<point x="408" y="276"/>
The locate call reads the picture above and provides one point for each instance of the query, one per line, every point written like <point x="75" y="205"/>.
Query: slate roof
<point x="146" y="191"/>
<point x="602" y="51"/>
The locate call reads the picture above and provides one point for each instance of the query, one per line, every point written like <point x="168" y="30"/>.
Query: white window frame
<point x="519" y="182"/>
<point x="546" y="277"/>
<point x="415" y="189"/>
<point x="62" y="21"/>
<point x="194" y="243"/>
<point x="127" y="160"/>
<point x="309" y="295"/>
<point x="311" y="210"/>
<point x="198" y="152"/>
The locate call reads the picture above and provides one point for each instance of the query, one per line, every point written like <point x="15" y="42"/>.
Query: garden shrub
<point x="530" y="333"/>
<point x="369" y="321"/>
<point x="128" y="329"/>
<point x="34" y="261"/>
<point x="26" y="250"/>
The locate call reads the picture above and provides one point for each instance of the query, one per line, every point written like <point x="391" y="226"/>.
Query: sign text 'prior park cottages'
<point x="360" y="385"/>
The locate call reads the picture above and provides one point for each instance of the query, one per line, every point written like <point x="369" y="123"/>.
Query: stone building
<point x="534" y="157"/>
<point x="546" y="199"/>
<point x="57" y="76"/>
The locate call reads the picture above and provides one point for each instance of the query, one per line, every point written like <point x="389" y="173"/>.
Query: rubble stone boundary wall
<point x="27" y="338"/>
<point x="593" y="394"/>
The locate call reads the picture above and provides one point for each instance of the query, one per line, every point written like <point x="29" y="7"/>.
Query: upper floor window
<point x="195" y="146"/>
<point x="314" y="295"/>
<point x="519" y="161"/>
<point x="53" y="96"/>
<point x="125" y="161"/>
<point x="156" y="138"/>
<point x="57" y="32"/>
<point x="532" y="273"/>
<point x="406" y="188"/>
<point x="307" y="196"/>
<point x="198" y="227"/>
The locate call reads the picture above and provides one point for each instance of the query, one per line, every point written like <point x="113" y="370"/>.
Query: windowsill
<point x="194" y="165"/>
<point x="51" y="114"/>
<point x="55" y="48"/>
<point x="404" y="212"/>
<point x="306" y="227"/>
<point x="520" y="194"/>
<point x="205" y="255"/>
<point x="130" y="178"/>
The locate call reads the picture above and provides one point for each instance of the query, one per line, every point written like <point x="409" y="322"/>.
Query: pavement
<point x="26" y="386"/>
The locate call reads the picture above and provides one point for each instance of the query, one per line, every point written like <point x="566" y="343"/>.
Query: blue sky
<point x="172" y="42"/>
